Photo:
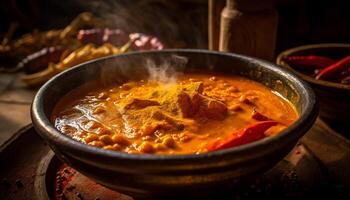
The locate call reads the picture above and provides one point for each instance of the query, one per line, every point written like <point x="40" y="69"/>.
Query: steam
<point x="168" y="71"/>
<point x="179" y="24"/>
<point x="163" y="73"/>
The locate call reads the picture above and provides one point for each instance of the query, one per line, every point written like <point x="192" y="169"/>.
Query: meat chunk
<point x="181" y="99"/>
<point x="189" y="98"/>
<point x="195" y="87"/>
<point x="191" y="101"/>
<point x="203" y="105"/>
<point x="216" y="110"/>
<point x="188" y="106"/>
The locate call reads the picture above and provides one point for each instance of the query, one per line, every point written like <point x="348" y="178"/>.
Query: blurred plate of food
<point x="41" y="55"/>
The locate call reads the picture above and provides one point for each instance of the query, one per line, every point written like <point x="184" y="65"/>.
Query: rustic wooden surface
<point x="15" y="100"/>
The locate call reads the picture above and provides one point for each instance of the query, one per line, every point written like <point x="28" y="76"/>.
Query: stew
<point x="196" y="113"/>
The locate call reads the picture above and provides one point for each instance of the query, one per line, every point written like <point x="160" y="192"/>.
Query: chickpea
<point x="148" y="128"/>
<point x="160" y="147"/>
<point x="133" y="151"/>
<point x="169" y="142"/>
<point x="91" y="137"/>
<point x="242" y="98"/>
<point x="117" y="146"/>
<point x="146" y="147"/>
<point x="106" y="139"/>
<point x="104" y="131"/>
<point x="97" y="143"/>
<point x="108" y="147"/>
<point x="120" y="139"/>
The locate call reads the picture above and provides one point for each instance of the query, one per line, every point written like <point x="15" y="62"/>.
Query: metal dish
<point x="157" y="175"/>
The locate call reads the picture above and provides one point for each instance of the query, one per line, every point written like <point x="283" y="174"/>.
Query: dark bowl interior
<point x="157" y="175"/>
<point x="334" y="98"/>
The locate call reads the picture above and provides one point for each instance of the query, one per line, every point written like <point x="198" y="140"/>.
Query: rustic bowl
<point x="158" y="175"/>
<point x="334" y="98"/>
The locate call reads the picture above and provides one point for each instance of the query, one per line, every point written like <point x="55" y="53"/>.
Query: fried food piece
<point x="83" y="54"/>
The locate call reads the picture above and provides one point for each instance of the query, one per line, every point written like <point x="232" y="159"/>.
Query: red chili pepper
<point x="316" y="62"/>
<point x="243" y="136"/>
<point x="339" y="66"/>
<point x="40" y="60"/>
<point x="118" y="37"/>
<point x="260" y="117"/>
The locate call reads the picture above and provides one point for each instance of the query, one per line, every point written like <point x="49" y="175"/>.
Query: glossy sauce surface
<point x="182" y="117"/>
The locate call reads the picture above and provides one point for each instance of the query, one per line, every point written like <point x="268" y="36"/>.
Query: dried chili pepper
<point x="246" y="135"/>
<point x="100" y="36"/>
<point x="339" y="66"/>
<point x="258" y="116"/>
<point x="40" y="60"/>
<point x="312" y="61"/>
<point x="117" y="37"/>
<point x="143" y="42"/>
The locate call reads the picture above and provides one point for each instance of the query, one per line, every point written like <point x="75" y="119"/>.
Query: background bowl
<point x="157" y="175"/>
<point x="334" y="98"/>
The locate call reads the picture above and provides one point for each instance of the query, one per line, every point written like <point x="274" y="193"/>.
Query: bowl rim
<point x="327" y="84"/>
<point x="47" y="130"/>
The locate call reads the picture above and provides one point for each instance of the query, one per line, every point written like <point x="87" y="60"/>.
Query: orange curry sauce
<point x="168" y="118"/>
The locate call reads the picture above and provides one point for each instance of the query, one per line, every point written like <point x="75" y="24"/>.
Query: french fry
<point x="70" y="59"/>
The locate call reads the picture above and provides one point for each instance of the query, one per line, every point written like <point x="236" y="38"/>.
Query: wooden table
<point x="15" y="100"/>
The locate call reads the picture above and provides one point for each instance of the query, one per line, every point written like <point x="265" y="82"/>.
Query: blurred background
<point x="181" y="23"/>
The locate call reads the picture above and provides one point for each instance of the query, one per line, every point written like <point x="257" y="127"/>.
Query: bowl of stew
<point x="173" y="122"/>
<point x="312" y="63"/>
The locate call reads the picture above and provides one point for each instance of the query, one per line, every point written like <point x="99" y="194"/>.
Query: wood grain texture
<point x="331" y="149"/>
<point x="248" y="31"/>
<point x="214" y="12"/>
